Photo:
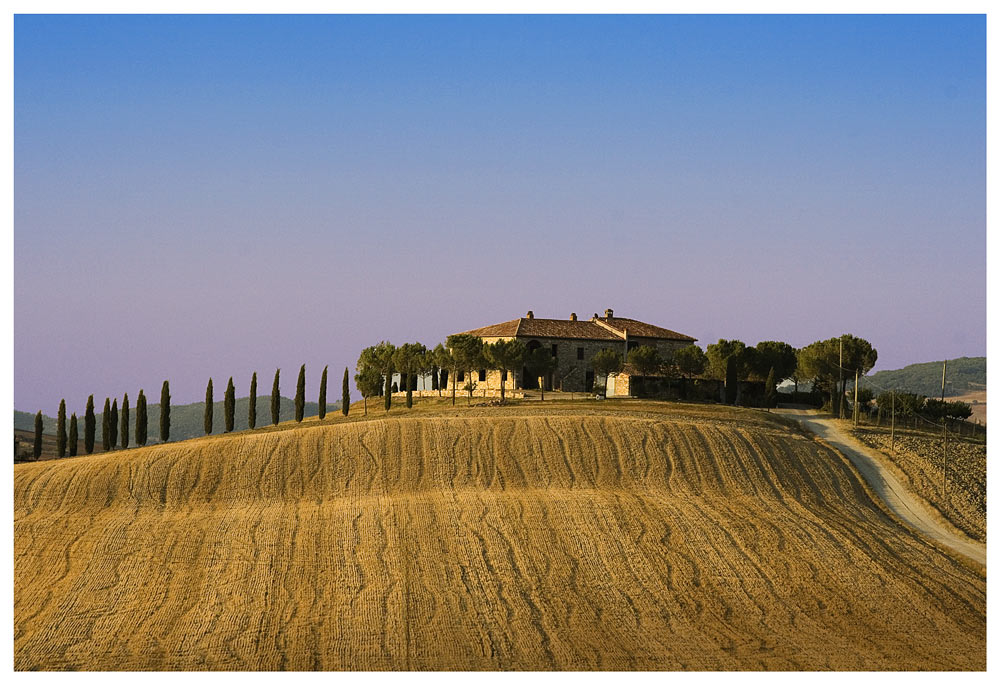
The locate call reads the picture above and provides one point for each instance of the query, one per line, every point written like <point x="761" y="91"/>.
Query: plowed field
<point x="514" y="538"/>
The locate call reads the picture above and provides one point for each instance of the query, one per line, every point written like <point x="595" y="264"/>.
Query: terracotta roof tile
<point x="576" y="330"/>
<point x="640" y="329"/>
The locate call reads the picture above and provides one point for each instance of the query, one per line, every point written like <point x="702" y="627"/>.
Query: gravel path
<point x="899" y="500"/>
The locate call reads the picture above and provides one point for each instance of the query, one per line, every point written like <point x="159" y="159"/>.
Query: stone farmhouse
<point x="574" y="342"/>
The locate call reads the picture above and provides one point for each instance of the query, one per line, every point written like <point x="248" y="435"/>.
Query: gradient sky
<point x="205" y="196"/>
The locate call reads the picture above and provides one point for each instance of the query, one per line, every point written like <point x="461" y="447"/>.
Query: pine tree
<point x="209" y="407"/>
<point x="140" y="419"/>
<point x="229" y="407"/>
<point x="252" y="411"/>
<point x="300" y="395"/>
<point x="322" y="395"/>
<point x="37" y="447"/>
<point x="275" y="399"/>
<point x="61" y="429"/>
<point x="74" y="436"/>
<point x="89" y="426"/>
<point x="124" y="420"/>
<point x="106" y="425"/>
<point x="114" y="423"/>
<point x="345" y="396"/>
<point x="165" y="412"/>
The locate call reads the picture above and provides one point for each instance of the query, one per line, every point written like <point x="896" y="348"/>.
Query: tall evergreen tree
<point x="165" y="412"/>
<point x="37" y="447"/>
<point x="61" y="429"/>
<point x="229" y="406"/>
<point x="300" y="395"/>
<point x="106" y="425"/>
<point x="89" y="426"/>
<point x="114" y="423"/>
<point x="770" y="390"/>
<point x="124" y="420"/>
<point x="388" y="392"/>
<point x="276" y="399"/>
<point x="74" y="436"/>
<point x="252" y="411"/>
<point x="209" y="407"/>
<point x="322" y="395"/>
<point x="141" y="419"/>
<point x="345" y="396"/>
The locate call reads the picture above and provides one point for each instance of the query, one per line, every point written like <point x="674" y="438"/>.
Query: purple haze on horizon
<point x="205" y="196"/>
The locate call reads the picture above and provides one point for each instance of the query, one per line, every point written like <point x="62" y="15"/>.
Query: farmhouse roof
<point x="608" y="327"/>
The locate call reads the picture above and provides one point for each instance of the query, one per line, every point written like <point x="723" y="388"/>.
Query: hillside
<point x="964" y="375"/>
<point x="186" y="420"/>
<point x="610" y="536"/>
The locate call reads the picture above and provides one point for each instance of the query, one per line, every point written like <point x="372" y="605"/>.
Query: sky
<point x="201" y="196"/>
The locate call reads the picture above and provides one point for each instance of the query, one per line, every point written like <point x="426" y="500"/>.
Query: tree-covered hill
<point x="965" y="374"/>
<point x="186" y="420"/>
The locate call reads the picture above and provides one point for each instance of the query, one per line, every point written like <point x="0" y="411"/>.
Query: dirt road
<point x="899" y="500"/>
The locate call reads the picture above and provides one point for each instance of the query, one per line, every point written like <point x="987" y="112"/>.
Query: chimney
<point x="609" y="313"/>
<point x="572" y="317"/>
<point x="531" y="314"/>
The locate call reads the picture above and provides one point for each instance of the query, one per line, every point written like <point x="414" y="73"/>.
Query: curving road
<point x="896" y="496"/>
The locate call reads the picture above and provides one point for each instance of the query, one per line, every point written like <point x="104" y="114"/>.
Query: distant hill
<point x="186" y="420"/>
<point x="965" y="374"/>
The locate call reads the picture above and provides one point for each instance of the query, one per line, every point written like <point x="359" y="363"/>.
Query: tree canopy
<point x="645" y="360"/>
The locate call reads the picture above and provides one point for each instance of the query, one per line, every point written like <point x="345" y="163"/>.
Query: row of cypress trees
<point x="115" y="425"/>
<point x="229" y="400"/>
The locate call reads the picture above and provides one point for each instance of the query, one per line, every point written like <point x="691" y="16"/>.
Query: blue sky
<point x="213" y="195"/>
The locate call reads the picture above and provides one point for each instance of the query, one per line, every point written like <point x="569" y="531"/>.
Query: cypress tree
<point x="114" y="424"/>
<point x="124" y="420"/>
<point x="37" y="447"/>
<point x="140" y="419"/>
<point x="770" y="390"/>
<point x="89" y="426"/>
<point x="106" y="425"/>
<point x="229" y="406"/>
<point x="252" y="411"/>
<point x="61" y="429"/>
<point x="345" y="396"/>
<point x="209" y="407"/>
<point x="732" y="380"/>
<point x="300" y="395"/>
<point x="275" y="399"/>
<point x="388" y="391"/>
<point x="74" y="436"/>
<point x="322" y="395"/>
<point x="165" y="412"/>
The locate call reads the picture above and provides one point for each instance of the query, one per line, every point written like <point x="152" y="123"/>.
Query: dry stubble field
<point x="635" y="536"/>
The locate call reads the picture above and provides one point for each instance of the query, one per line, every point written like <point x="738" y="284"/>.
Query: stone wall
<point x="571" y="370"/>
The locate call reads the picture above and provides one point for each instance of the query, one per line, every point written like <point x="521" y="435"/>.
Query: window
<point x="461" y="376"/>
<point x="482" y="375"/>
<point x="555" y="349"/>
<point x="579" y="353"/>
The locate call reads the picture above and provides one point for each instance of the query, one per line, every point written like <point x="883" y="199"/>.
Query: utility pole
<point x="944" y="368"/>
<point x="892" y="430"/>
<point x="856" y="411"/>
<point x="840" y="397"/>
